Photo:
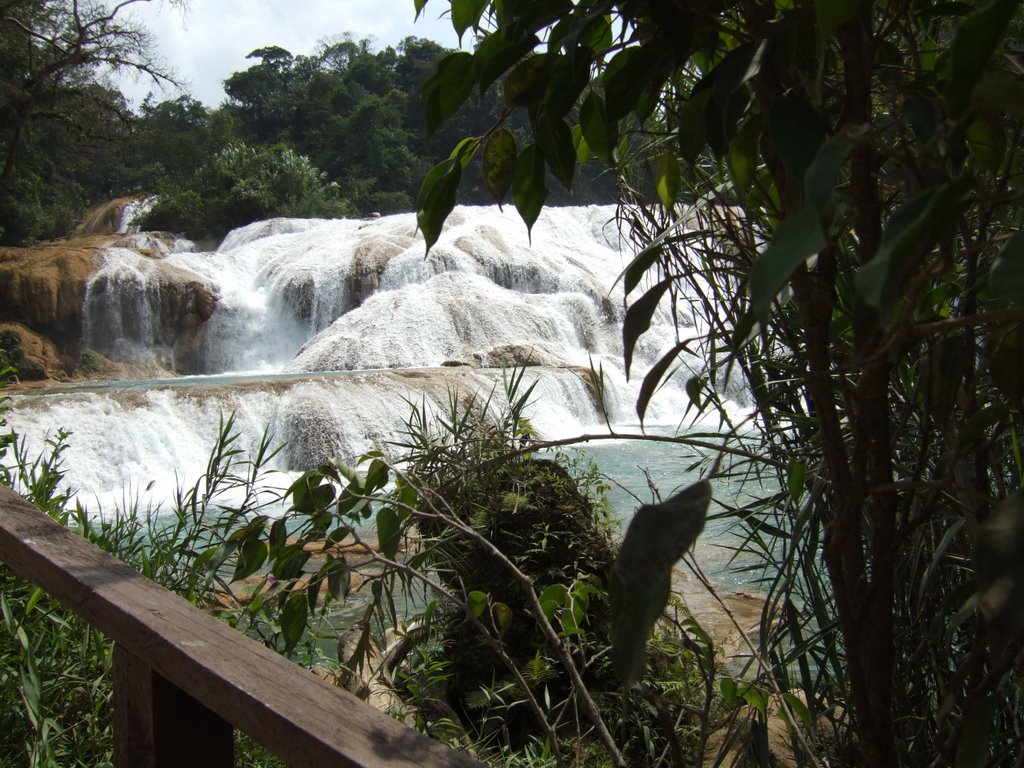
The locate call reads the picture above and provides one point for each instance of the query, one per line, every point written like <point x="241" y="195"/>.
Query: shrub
<point x="92" y="362"/>
<point x="242" y="184"/>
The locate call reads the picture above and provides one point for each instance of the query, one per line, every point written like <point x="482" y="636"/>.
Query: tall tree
<point x="260" y="96"/>
<point x="54" y="49"/>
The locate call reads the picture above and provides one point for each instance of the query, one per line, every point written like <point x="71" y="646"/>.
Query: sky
<point x="209" y="40"/>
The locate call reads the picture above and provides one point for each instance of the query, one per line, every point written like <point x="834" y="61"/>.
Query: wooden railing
<point x="184" y="680"/>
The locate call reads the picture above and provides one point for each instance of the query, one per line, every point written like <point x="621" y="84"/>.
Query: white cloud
<point x="209" y="40"/>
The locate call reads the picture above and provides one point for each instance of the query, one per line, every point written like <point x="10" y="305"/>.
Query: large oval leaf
<point x="976" y="41"/>
<point x="599" y="133"/>
<point x="796" y="239"/>
<point x="570" y="74"/>
<point x="496" y="53"/>
<point x="446" y="91"/>
<point x="797" y="132"/>
<point x="499" y="161"/>
<point x="437" y="198"/>
<point x="526" y="84"/>
<point x="293" y="619"/>
<point x="631" y="73"/>
<point x="555" y="140"/>
<point x="638" y="319"/>
<point x="466" y="14"/>
<point x="658" y="535"/>
<point x="529" y="190"/>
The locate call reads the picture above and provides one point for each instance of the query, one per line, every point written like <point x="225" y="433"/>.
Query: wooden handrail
<point x="183" y="680"/>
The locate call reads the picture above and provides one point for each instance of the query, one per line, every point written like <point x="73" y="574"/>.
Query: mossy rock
<point x="535" y="513"/>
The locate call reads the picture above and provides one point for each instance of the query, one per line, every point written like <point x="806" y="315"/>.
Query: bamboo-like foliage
<point x="833" y="189"/>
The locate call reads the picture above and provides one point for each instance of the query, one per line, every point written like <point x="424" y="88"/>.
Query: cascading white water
<point x="294" y="297"/>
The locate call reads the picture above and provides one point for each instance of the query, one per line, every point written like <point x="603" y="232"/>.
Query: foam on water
<point x="314" y="296"/>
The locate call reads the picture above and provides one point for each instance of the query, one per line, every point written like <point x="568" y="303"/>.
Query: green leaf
<point x="693" y="133"/>
<point x="1004" y="352"/>
<point x="1000" y="92"/>
<point x="795" y="478"/>
<point x="738" y="66"/>
<point x="251" y="556"/>
<point x="502" y="617"/>
<point x="820" y="177"/>
<point x="477" y="601"/>
<point x="339" y="580"/>
<point x="466" y="14"/>
<point x="658" y="535"/>
<point x="667" y="182"/>
<point x="754" y="698"/>
<point x="976" y="41"/>
<point x="796" y="239"/>
<point x="447" y="90"/>
<point x="499" y="163"/>
<point x="797" y="132"/>
<point x="465" y="150"/>
<point x="977" y="426"/>
<point x="570" y="74"/>
<point x="599" y="134"/>
<point x="653" y="379"/>
<point x="832" y="14"/>
<point x="495" y="54"/>
<point x="1006" y="281"/>
<point x="583" y="153"/>
<point x="630" y="74"/>
<point x="744" y="154"/>
<point x="526" y="84"/>
<point x="729" y="689"/>
<point x="555" y="140"/>
<point x="389" y="533"/>
<point x="638" y="318"/>
<point x="437" y="198"/>
<point x="597" y="34"/>
<point x="987" y="142"/>
<point x="278" y="536"/>
<point x="293" y="619"/>
<point x="552" y="599"/>
<point x="694" y="389"/>
<point x="909" y="234"/>
<point x="529" y="190"/>
<point x="637" y="268"/>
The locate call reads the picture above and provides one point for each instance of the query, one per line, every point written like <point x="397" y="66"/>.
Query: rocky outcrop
<point x="105" y="218"/>
<point x="143" y="309"/>
<point x="42" y="289"/>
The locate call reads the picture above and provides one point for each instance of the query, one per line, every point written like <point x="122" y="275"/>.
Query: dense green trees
<point x="835" y="187"/>
<point x="355" y="113"/>
<point x="58" y="125"/>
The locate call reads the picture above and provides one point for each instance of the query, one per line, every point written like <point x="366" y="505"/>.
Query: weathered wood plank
<point x="157" y="725"/>
<point x="293" y="713"/>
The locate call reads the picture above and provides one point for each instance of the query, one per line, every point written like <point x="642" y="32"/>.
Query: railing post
<point x="158" y="725"/>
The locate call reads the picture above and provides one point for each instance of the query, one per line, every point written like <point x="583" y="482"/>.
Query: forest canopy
<point x="338" y="131"/>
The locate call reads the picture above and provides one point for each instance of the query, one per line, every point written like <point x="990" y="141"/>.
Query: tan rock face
<point x="42" y="289"/>
<point x="161" y="314"/>
<point x="104" y="219"/>
<point x="37" y="351"/>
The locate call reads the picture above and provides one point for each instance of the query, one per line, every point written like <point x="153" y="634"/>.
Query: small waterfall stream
<point x="322" y="333"/>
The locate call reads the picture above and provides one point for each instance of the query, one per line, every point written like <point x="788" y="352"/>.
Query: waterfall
<point x="323" y="332"/>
